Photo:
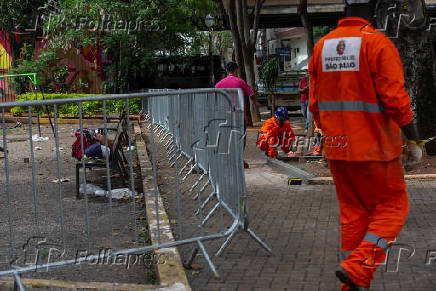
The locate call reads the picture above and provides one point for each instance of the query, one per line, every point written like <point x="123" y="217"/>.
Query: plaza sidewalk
<point x="301" y="225"/>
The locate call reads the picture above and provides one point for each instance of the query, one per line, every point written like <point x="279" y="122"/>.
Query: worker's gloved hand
<point x="413" y="155"/>
<point x="263" y="145"/>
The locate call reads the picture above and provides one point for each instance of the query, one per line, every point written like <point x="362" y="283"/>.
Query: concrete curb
<point x="329" y="180"/>
<point x="321" y="181"/>
<point x="420" y="177"/>
<point x="171" y="274"/>
<point x="311" y="179"/>
<point x="288" y="169"/>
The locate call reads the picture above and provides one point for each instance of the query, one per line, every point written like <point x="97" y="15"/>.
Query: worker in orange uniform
<point x="358" y="100"/>
<point x="317" y="144"/>
<point x="276" y="132"/>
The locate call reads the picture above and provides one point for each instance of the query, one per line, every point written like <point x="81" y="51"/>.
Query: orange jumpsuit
<point x="357" y="98"/>
<point x="272" y="136"/>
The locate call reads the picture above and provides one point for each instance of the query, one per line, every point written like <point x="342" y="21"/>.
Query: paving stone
<point x="301" y="225"/>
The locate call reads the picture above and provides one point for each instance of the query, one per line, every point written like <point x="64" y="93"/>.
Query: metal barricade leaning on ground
<point x="202" y="132"/>
<point x="207" y="129"/>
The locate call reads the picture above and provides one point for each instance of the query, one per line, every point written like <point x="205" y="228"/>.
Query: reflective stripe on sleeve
<point x="350" y="106"/>
<point x="375" y="239"/>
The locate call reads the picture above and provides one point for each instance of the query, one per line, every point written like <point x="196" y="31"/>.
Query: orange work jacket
<point x="357" y="94"/>
<point x="273" y="135"/>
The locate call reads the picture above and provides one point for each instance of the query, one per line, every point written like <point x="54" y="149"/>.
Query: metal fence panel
<point x="203" y="126"/>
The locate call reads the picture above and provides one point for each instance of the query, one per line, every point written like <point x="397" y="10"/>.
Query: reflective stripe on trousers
<point x="377" y="240"/>
<point x="350" y="106"/>
<point x="369" y="237"/>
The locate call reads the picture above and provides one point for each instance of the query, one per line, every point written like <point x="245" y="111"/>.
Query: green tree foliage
<point x="222" y="40"/>
<point x="269" y="72"/>
<point x="51" y="72"/>
<point x="17" y="16"/>
<point x="320" y="31"/>
<point x="71" y="109"/>
<point x="132" y="32"/>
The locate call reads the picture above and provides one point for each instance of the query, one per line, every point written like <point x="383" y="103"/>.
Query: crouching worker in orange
<point x="276" y="132"/>
<point x="357" y="92"/>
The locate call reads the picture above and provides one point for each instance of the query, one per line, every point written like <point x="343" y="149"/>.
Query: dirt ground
<point x="319" y="167"/>
<point x="25" y="233"/>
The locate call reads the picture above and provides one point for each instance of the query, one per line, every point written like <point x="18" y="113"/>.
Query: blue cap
<point x="282" y="113"/>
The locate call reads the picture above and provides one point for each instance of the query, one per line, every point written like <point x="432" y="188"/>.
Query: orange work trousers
<point x="373" y="206"/>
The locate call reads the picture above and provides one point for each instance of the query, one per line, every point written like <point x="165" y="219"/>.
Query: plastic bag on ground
<point x="117" y="193"/>
<point x="36" y="137"/>
<point x="90" y="189"/>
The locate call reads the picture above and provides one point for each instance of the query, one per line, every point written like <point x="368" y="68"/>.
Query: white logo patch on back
<point x="341" y="54"/>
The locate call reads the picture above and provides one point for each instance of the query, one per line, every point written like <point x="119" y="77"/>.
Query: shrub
<point x="52" y="73"/>
<point x="71" y="110"/>
<point x="269" y="72"/>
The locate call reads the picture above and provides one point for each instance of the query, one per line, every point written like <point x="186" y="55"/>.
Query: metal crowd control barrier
<point x="208" y="129"/>
<point x="204" y="126"/>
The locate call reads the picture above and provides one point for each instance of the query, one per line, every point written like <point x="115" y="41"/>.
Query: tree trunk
<point x="237" y="43"/>
<point x="242" y="25"/>
<point x="417" y="51"/>
<point x="239" y="54"/>
<point x="116" y="71"/>
<point x="245" y="43"/>
<point x="307" y="24"/>
<point x="249" y="70"/>
<point x="240" y="57"/>
<point x="308" y="30"/>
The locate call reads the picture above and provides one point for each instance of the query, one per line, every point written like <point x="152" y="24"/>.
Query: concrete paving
<point x="301" y="225"/>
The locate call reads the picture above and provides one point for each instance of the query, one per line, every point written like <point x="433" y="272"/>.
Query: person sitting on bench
<point x="98" y="149"/>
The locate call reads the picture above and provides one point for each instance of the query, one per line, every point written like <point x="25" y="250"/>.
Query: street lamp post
<point x="210" y="22"/>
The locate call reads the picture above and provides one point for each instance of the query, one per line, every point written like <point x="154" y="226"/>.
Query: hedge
<point x="72" y="110"/>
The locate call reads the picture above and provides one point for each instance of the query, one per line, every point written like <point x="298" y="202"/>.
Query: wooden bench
<point x="117" y="158"/>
